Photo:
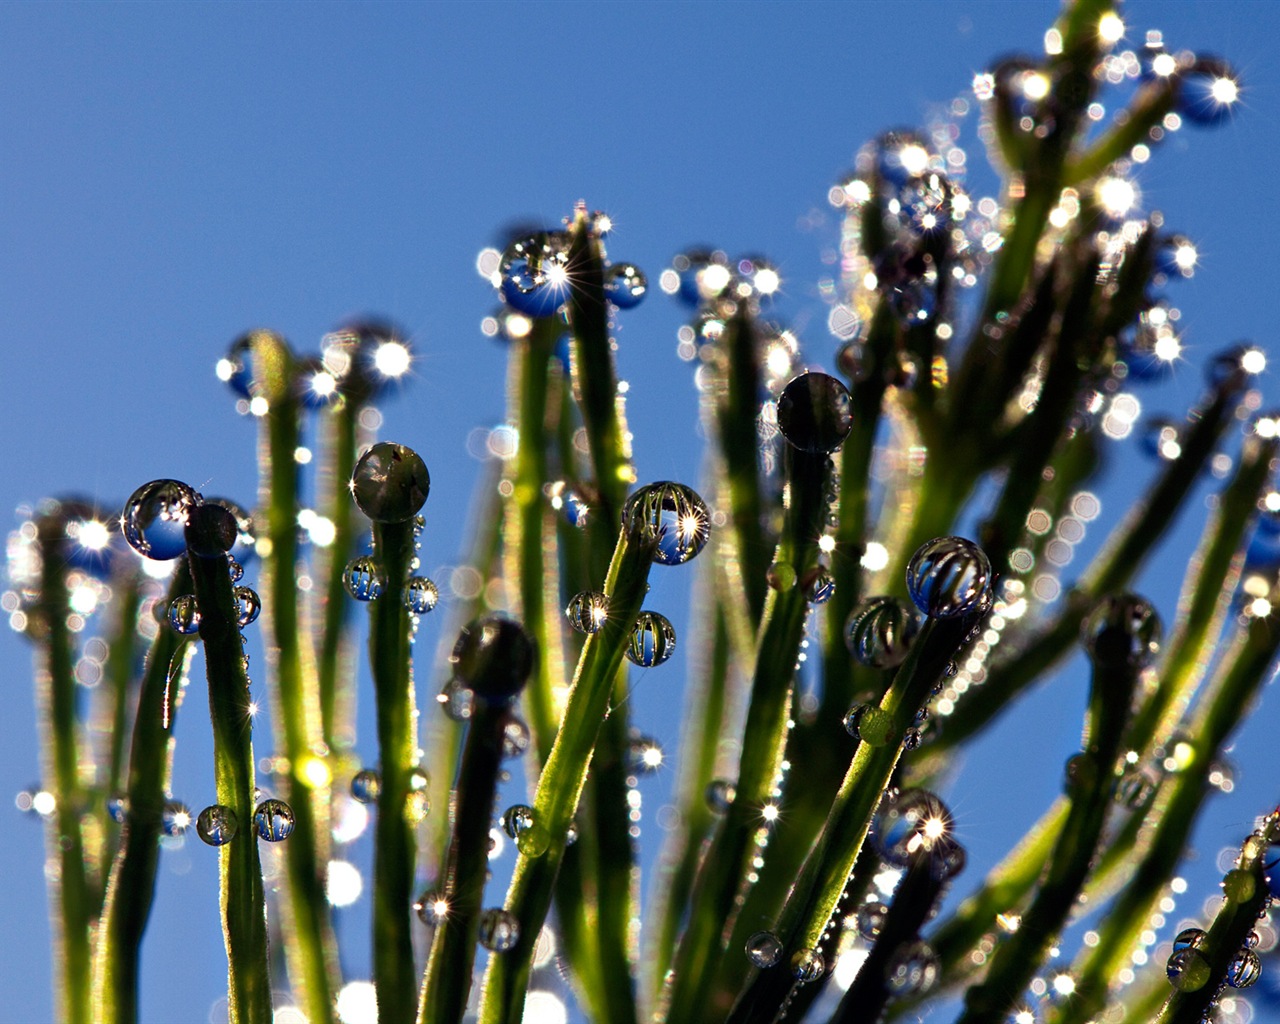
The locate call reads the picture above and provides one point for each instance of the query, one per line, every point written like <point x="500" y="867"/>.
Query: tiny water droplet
<point x="274" y="820"/>
<point x="880" y="631"/>
<point x="217" y="825"/>
<point x="494" y="656"/>
<point x="1122" y="630"/>
<point x="235" y="569"/>
<point x="366" y="785"/>
<point x="1244" y="970"/>
<point x="233" y="368"/>
<point x="672" y="515"/>
<point x="652" y="641"/>
<point x="118" y="808"/>
<point x="948" y="577"/>
<point x="184" y="615"/>
<point x="820" y="586"/>
<point x="911" y="739"/>
<point x="175" y="819"/>
<point x="390" y="483"/>
<point x="764" y="949"/>
<point x="1187" y="969"/>
<point x="515" y="737"/>
<point x="815" y="413"/>
<point x="913" y="969"/>
<point x="420" y="595"/>
<point x="363" y="579"/>
<point x="432" y="908"/>
<point x="625" y="285"/>
<point x="499" y="930"/>
<point x="807" y="965"/>
<point x="571" y="836"/>
<point x="588" y="611"/>
<point x="248" y="605"/>
<point x="720" y="794"/>
<point x="155" y="517"/>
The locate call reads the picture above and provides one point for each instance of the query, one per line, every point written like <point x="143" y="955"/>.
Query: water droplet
<point x="184" y="615"/>
<point x="274" y="820"/>
<point x="571" y="836"/>
<point x="1122" y="630"/>
<point x="516" y="819"/>
<point x="457" y="700"/>
<point x="494" y="656"/>
<point x="911" y="739"/>
<point x="235" y="570"/>
<point x="673" y="516"/>
<point x="363" y="579"/>
<point x="820" y="586"/>
<point x="515" y="737"/>
<point x="155" y="517"/>
<point x="418" y="803"/>
<point x="248" y="605"/>
<point x="1187" y="969"/>
<point x="720" y="794"/>
<point x="217" y="825"/>
<point x="1244" y="970"/>
<point x="764" y="949"/>
<point x="432" y="908"/>
<point x="948" y="577"/>
<point x="211" y="531"/>
<point x="871" y="917"/>
<point x="1238" y="885"/>
<point x="913" y="969"/>
<point x="366" y="785"/>
<point x="534" y="274"/>
<point x="625" y="285"/>
<point x="645" y="755"/>
<point x="815" y="413"/>
<point x="652" y="640"/>
<point x="175" y="819"/>
<point x="1136" y="787"/>
<point x="363" y="359"/>
<point x="916" y="823"/>
<point x="807" y="965"/>
<point x="390" y="483"/>
<point x="1081" y="772"/>
<point x="118" y="808"/>
<point x="880" y="631"/>
<point x="1189" y="938"/>
<point x="242" y="549"/>
<point x="233" y="368"/>
<point x="1207" y="92"/>
<point x="588" y="611"/>
<point x="499" y="930"/>
<point x="868" y="723"/>
<point x="420" y="595"/>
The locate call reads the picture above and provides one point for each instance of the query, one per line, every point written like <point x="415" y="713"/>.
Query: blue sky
<point x="173" y="174"/>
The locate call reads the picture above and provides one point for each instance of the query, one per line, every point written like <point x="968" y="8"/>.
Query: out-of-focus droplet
<point x="242" y="550"/>
<point x="233" y="368"/>
<point x="515" y="737"/>
<point x="155" y="517"/>
<point x="652" y="640"/>
<point x="871" y="917"/>
<point x="645" y="755"/>
<point x="588" y="611"/>
<point x="432" y="908"/>
<point x="499" y="930"/>
<point x="366" y="785"/>
<point x="494" y="656"/>
<point x="948" y="577"/>
<point x="764" y="949"/>
<point x="720" y="794"/>
<point x="1207" y="92"/>
<point x="1187" y="969"/>
<point x="1136" y="787"/>
<point x="815" y="413"/>
<point x="184" y="615"/>
<point x="363" y="579"/>
<point x="390" y="483"/>
<point x="248" y="605"/>
<point x="673" y="516"/>
<point x="217" y="825"/>
<point x="625" y="285"/>
<point x="274" y="820"/>
<point x="913" y="969"/>
<point x="457" y="700"/>
<point x="807" y="966"/>
<point x="211" y="530"/>
<point x="118" y="808"/>
<point x="175" y="819"/>
<point x="880" y="630"/>
<point x="420" y="595"/>
<point x="1124" y="629"/>
<point x="918" y="822"/>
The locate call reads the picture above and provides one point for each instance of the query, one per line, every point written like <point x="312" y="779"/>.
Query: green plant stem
<point x="312" y="951"/>
<point x="243" y="902"/>
<point x="119" y="671"/>
<point x="72" y="902"/>
<point x="132" y="881"/>
<point x="447" y="982"/>
<point x="395" y="842"/>
<point x="564" y="775"/>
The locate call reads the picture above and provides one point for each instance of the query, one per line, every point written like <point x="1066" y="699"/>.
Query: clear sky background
<point x="173" y="174"/>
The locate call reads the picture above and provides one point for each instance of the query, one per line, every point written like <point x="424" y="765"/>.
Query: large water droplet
<point x="217" y="825"/>
<point x="499" y="930"/>
<point x="870" y="724"/>
<point x="534" y="274"/>
<point x="184" y="615"/>
<point x="815" y="413"/>
<point x="1187" y="969"/>
<point x="807" y="965"/>
<point x="764" y="949"/>
<point x="880" y="631"/>
<point x="243" y="548"/>
<point x="363" y="579"/>
<point x="155" y="517"/>
<point x="457" y="700"/>
<point x="248" y="605"/>
<point x="366" y="785"/>
<point x="625" y="285"/>
<point x="1244" y="970"/>
<point x="274" y="820"/>
<point x="390" y="483"/>
<point x="949" y="577"/>
<point x="673" y="516"/>
<point x="588" y="611"/>
<point x="494" y="656"/>
<point x="916" y="823"/>
<point x="1123" y="630"/>
<point x="175" y="819"/>
<point x="211" y="530"/>
<point x="420" y="595"/>
<point x="652" y="640"/>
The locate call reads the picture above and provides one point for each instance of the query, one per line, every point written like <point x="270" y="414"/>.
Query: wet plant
<point x="882" y="557"/>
